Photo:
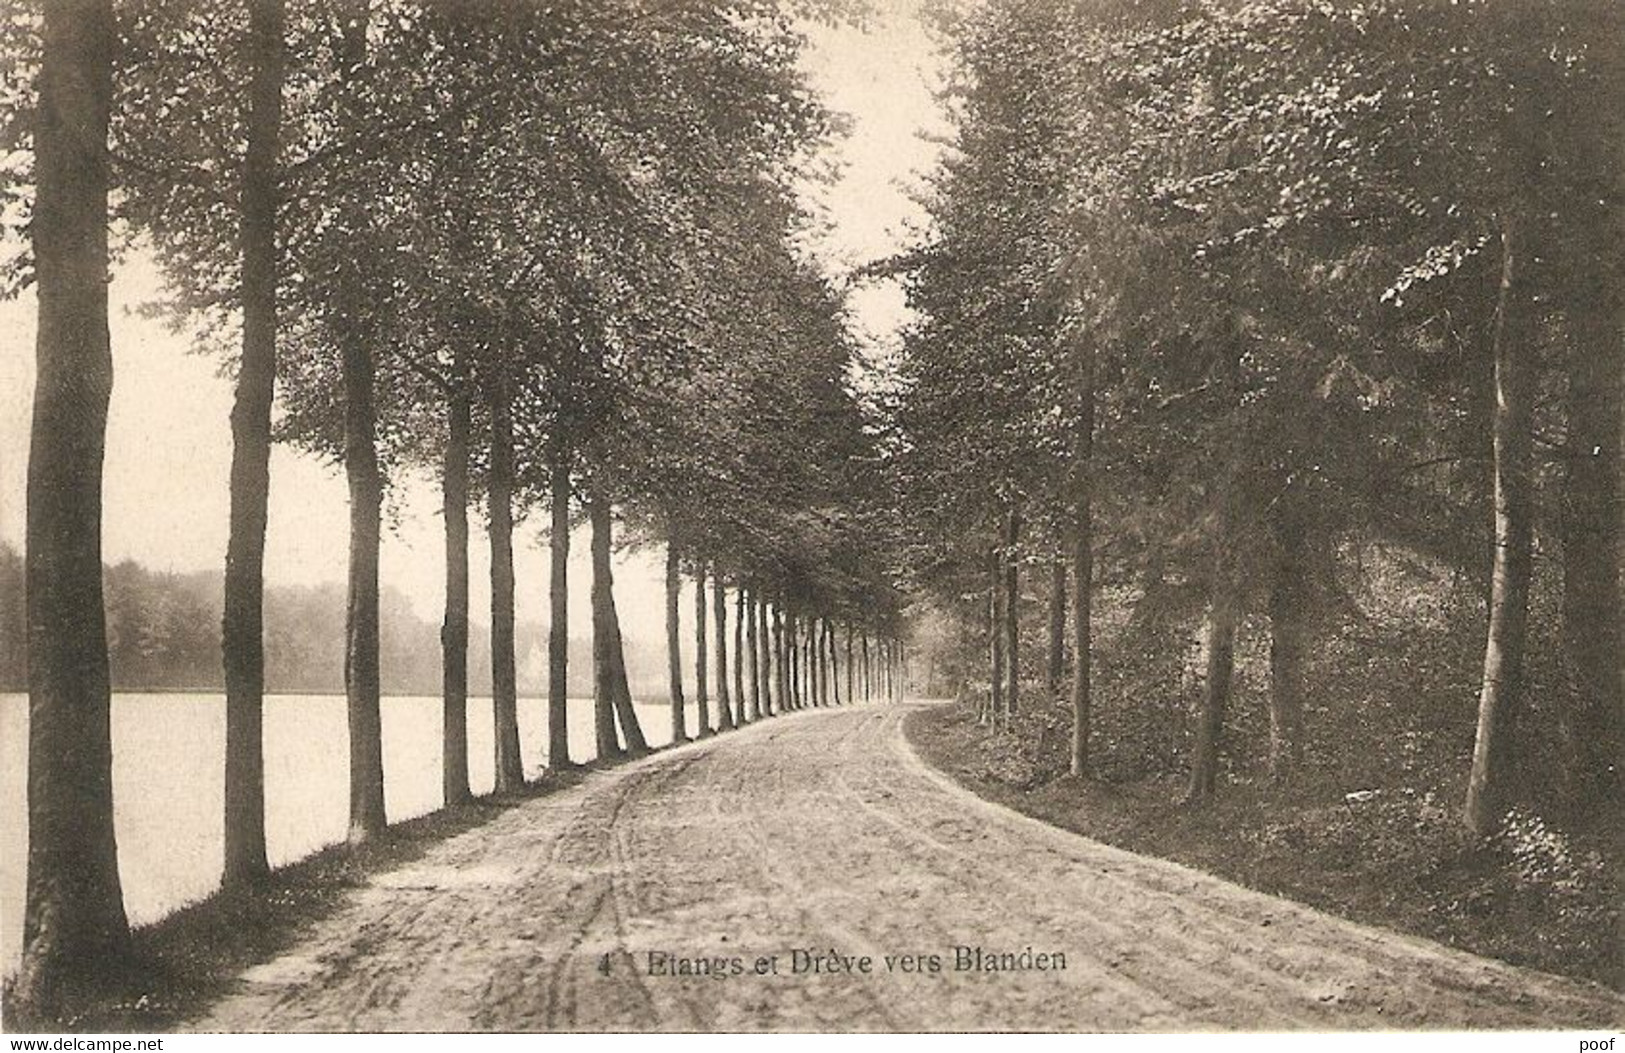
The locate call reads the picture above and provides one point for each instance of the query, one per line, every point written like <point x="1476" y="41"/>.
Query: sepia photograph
<point x="812" y="516"/>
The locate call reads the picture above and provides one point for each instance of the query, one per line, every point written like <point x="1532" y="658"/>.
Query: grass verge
<point x="1404" y="865"/>
<point x="182" y="963"/>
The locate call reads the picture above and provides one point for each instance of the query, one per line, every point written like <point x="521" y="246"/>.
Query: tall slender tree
<point x="558" y="631"/>
<point x="719" y="607"/>
<point x="1502" y="695"/>
<point x="701" y="700"/>
<point x="674" y="646"/>
<point x="510" y="770"/>
<point x="454" y="629"/>
<point x="363" y="475"/>
<point x="739" y="656"/>
<point x="75" y="931"/>
<point x="242" y="633"/>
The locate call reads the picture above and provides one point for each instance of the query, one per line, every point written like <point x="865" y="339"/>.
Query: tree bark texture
<point x="365" y="480"/>
<point x="242" y="626"/>
<point x="75" y="933"/>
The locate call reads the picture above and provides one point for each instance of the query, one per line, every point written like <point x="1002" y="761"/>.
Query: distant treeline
<point x="163" y="634"/>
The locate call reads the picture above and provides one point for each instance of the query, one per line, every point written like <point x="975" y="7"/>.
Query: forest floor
<point x="812" y="873"/>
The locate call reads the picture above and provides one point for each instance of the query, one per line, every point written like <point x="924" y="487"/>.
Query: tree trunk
<point x="1593" y="608"/>
<point x="868" y="682"/>
<point x="814" y="647"/>
<point x="242" y="632"/>
<point x="1501" y="697"/>
<point x="558" y="598"/>
<point x="454" y="629"/>
<point x="75" y="933"/>
<point x="674" y="641"/>
<point x="620" y="689"/>
<point x="361" y="670"/>
<point x="749" y="613"/>
<point x="700" y="692"/>
<point x="851" y="668"/>
<point x="810" y="660"/>
<point x="995" y="636"/>
<point x="1082" y="633"/>
<point x="813" y="657"/>
<point x="719" y="605"/>
<point x="739" y="656"/>
<point x="826" y="667"/>
<point x="798" y="660"/>
<point x="792" y="660"/>
<point x="781" y="679"/>
<point x="1221" y="648"/>
<point x="835" y="667"/>
<point x="761" y="647"/>
<point x="361" y="673"/>
<point x="605" y="632"/>
<point x="510" y="770"/>
<point x="815" y="662"/>
<point x="1055" y="670"/>
<point x="625" y="713"/>
<point x="1082" y="359"/>
<point x="1288" y="639"/>
<point x="1012" y="609"/>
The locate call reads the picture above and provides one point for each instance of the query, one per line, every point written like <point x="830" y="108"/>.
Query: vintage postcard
<point x="812" y="516"/>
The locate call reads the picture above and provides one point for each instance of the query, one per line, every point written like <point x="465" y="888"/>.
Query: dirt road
<point x="822" y="833"/>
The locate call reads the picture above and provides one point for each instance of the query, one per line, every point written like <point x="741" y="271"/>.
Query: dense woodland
<point x="1265" y="405"/>
<point x="1261" y="417"/>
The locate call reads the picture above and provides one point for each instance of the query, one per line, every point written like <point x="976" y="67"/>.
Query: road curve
<point x="822" y="831"/>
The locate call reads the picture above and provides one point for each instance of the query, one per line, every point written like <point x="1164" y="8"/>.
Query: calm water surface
<point x="168" y="760"/>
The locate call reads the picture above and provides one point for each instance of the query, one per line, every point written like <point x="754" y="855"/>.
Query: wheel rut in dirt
<point x="822" y="832"/>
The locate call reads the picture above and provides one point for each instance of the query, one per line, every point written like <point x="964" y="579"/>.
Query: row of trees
<point x="547" y="252"/>
<point x="1216" y="290"/>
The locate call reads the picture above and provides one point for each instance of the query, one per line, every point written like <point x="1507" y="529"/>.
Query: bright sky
<point x="169" y="440"/>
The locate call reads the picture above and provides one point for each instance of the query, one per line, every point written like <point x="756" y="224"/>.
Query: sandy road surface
<point x="822" y="831"/>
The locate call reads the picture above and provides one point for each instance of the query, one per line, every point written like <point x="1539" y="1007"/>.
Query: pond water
<point x="168" y="760"/>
